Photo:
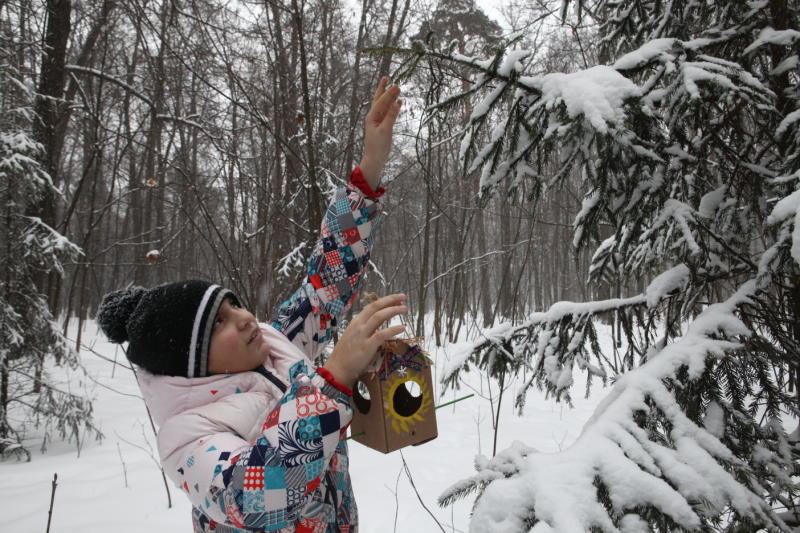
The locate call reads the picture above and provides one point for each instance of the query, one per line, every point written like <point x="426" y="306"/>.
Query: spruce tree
<point x="686" y="140"/>
<point x="31" y="341"/>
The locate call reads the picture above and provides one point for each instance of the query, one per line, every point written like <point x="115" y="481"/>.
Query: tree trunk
<point x="314" y="194"/>
<point x="49" y="109"/>
<point x="354" y="91"/>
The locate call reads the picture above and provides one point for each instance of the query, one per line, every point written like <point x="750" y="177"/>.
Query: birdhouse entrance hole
<point x="407" y="398"/>
<point x="361" y="397"/>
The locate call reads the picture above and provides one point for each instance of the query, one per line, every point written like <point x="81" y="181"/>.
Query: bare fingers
<point x="379" y="317"/>
<point x="382" y="83"/>
<point x="383" y="103"/>
<point x="379" y="311"/>
<point x="391" y="115"/>
<point x="384" y="301"/>
<point x="383" y="335"/>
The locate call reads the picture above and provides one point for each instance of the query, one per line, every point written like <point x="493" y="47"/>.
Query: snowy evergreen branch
<point x="687" y="144"/>
<point x="548" y="344"/>
<point x="30" y="338"/>
<point x="676" y="466"/>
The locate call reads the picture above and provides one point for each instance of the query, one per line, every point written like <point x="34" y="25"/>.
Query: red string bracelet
<point x="357" y="179"/>
<point x="327" y="376"/>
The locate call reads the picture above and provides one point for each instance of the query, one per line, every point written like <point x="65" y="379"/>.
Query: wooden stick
<point x="451" y="402"/>
<point x="354" y="436"/>
<point x="52" y="498"/>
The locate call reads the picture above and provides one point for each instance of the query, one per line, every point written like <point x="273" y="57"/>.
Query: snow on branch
<point x="551" y="343"/>
<point x="682" y="215"/>
<point x="787" y="211"/>
<point x="597" y="94"/>
<point x="771" y="36"/>
<point x="616" y="470"/>
<point x="44" y="244"/>
<point x="292" y="261"/>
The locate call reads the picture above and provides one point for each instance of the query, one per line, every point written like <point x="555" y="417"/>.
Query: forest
<point x="631" y="164"/>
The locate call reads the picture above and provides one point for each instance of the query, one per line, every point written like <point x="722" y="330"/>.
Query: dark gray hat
<point x="168" y="328"/>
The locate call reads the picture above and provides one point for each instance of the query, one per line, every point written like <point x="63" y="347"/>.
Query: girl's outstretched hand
<point x="378" y="126"/>
<point x="362" y="338"/>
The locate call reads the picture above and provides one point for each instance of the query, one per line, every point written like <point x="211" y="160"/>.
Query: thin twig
<point x="149" y="451"/>
<point x="124" y="467"/>
<point x="155" y="433"/>
<point x="413" y="486"/>
<point x="52" y="498"/>
<point x="396" y="500"/>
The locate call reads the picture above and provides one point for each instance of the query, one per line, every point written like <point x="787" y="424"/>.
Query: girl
<point x="248" y="428"/>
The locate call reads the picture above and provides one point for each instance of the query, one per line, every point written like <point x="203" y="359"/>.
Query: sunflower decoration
<point x="403" y="409"/>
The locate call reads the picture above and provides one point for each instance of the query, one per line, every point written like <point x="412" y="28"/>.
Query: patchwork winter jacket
<point x="263" y="450"/>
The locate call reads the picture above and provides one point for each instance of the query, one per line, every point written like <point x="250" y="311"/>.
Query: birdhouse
<point x="393" y="405"/>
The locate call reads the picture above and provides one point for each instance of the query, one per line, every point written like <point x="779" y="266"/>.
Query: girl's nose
<point x="244" y="318"/>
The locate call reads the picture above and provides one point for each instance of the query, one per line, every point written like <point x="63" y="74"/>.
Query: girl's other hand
<point x="360" y="341"/>
<point x="378" y="126"/>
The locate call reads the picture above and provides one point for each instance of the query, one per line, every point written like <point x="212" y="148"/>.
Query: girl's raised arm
<point x="340" y="257"/>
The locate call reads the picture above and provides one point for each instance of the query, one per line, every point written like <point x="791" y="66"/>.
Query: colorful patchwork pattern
<point x="337" y="265"/>
<point x="294" y="477"/>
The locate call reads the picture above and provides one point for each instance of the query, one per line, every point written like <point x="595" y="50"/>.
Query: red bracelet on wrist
<point x="357" y="179"/>
<point x="327" y="376"/>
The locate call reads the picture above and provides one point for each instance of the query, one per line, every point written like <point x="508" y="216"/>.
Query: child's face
<point x="236" y="341"/>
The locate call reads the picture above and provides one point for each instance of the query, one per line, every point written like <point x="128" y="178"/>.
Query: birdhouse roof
<point x="398" y="353"/>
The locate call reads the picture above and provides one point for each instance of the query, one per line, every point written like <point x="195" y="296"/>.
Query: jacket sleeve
<point x="266" y="483"/>
<point x="338" y="263"/>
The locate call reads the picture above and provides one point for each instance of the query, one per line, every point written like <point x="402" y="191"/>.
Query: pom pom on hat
<point x="115" y="311"/>
<point x="168" y="328"/>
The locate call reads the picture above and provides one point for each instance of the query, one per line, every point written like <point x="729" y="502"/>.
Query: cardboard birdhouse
<point x="393" y="404"/>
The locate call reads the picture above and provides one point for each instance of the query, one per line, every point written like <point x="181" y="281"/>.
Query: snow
<point x="40" y="236"/>
<point x="477" y="61"/>
<point x="714" y="421"/>
<point x="683" y="215"/>
<point x="598" y="93"/>
<point x="666" y="282"/>
<point x="645" y="54"/>
<point x="787" y="121"/>
<point x="791" y="62"/>
<point x="711" y="201"/>
<point x="636" y="471"/>
<point x="115" y="485"/>
<point x="513" y="62"/>
<point x="772" y="36"/>
<point x="700" y="42"/>
<point x="795" y="435"/>
<point x="634" y="524"/>
<point x="590" y="201"/>
<point x="482" y="107"/>
<point x="292" y="262"/>
<point x="694" y="72"/>
<point x="785" y="208"/>
<point x="561" y="309"/>
<point x="459" y="353"/>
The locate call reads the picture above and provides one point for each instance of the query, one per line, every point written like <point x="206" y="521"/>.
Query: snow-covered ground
<point x="115" y="484"/>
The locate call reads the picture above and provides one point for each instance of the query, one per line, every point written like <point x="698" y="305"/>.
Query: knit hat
<point x="168" y="327"/>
